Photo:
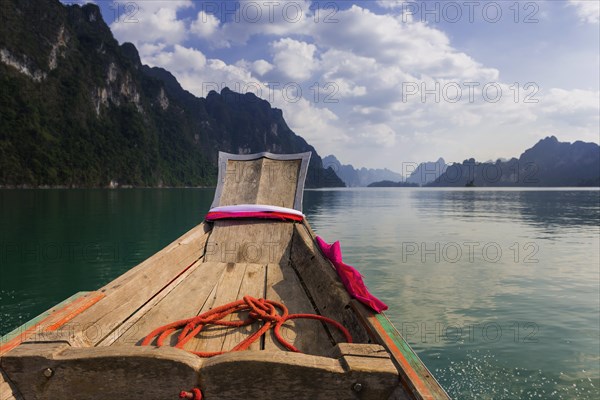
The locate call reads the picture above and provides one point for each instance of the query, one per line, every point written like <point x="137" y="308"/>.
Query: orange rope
<point x="260" y="310"/>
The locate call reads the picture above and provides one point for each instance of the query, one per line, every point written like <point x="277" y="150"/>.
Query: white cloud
<point x="391" y="4"/>
<point x="294" y="59"/>
<point x="151" y="21"/>
<point x="181" y="59"/>
<point x="205" y="25"/>
<point x="587" y="10"/>
<point x="368" y="59"/>
<point x="261" y="67"/>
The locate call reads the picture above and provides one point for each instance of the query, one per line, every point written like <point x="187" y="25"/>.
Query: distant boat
<point x="254" y="258"/>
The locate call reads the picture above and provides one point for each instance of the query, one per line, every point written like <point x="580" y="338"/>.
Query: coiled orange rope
<point x="260" y="310"/>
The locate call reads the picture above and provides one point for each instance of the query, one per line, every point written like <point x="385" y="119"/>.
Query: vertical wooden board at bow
<point x="182" y="302"/>
<point x="260" y="181"/>
<point x="308" y="336"/>
<point x="241" y="181"/>
<point x="227" y="289"/>
<point x="278" y="182"/>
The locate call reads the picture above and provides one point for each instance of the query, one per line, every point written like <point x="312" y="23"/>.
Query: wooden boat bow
<point x="88" y="347"/>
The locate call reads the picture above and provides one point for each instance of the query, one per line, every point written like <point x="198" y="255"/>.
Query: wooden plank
<point x="253" y="284"/>
<point x="278" y="182"/>
<point x="51" y="320"/>
<point x="241" y="182"/>
<point x="195" y="237"/>
<point x="125" y="295"/>
<point x="181" y="300"/>
<point x="324" y="287"/>
<point x="291" y="376"/>
<point x="35" y="321"/>
<point x="8" y="390"/>
<point x="308" y="336"/>
<point x="58" y="371"/>
<point x="250" y="241"/>
<point x="260" y="181"/>
<point x="415" y="375"/>
<point x="226" y="291"/>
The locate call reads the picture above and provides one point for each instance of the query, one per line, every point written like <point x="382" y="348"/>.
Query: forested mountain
<point x="79" y="110"/>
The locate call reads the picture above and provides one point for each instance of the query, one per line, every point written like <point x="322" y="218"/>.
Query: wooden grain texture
<point x="241" y="182"/>
<point x="184" y="300"/>
<point x="100" y="373"/>
<point x="253" y="284"/>
<point x="225" y="291"/>
<point x="8" y="390"/>
<point x="126" y="294"/>
<point x="278" y="182"/>
<point x="285" y="376"/>
<point x="57" y="317"/>
<point x="250" y="241"/>
<point x="38" y="319"/>
<point x="309" y="336"/>
<point x="323" y="285"/>
<point x="260" y="181"/>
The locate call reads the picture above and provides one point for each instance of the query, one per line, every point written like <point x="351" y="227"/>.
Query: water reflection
<point x="519" y="324"/>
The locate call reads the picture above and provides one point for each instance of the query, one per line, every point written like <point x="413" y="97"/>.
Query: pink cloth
<point x="351" y="278"/>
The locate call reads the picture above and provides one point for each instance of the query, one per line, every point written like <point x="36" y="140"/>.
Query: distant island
<point x="427" y="172"/>
<point x="359" y="177"/>
<point x="549" y="163"/>
<point x="393" y="184"/>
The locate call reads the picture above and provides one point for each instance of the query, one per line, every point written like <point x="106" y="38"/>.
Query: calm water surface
<point x="497" y="290"/>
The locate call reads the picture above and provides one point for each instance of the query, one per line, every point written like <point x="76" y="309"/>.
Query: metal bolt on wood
<point x="357" y="387"/>
<point x="48" y="372"/>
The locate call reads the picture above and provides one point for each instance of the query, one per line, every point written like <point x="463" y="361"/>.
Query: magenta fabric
<point x="351" y="278"/>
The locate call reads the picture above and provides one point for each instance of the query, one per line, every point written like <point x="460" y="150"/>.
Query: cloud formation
<point x="355" y="79"/>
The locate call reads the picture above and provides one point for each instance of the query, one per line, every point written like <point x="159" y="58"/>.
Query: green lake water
<point x="497" y="290"/>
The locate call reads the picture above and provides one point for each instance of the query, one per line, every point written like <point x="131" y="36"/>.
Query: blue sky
<point x="384" y="83"/>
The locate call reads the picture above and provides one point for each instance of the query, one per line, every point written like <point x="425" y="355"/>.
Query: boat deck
<point x="96" y="336"/>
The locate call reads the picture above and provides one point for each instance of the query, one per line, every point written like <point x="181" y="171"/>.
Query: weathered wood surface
<point x="8" y="390"/>
<point x="260" y="181"/>
<point x="183" y="300"/>
<point x="308" y="336"/>
<point x="253" y="284"/>
<point x="323" y="284"/>
<point x="225" y="291"/>
<point x="286" y="376"/>
<point x="126" y="294"/>
<point x="58" y="371"/>
<point x="53" y="319"/>
<point x="414" y="375"/>
<point x="250" y="241"/>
